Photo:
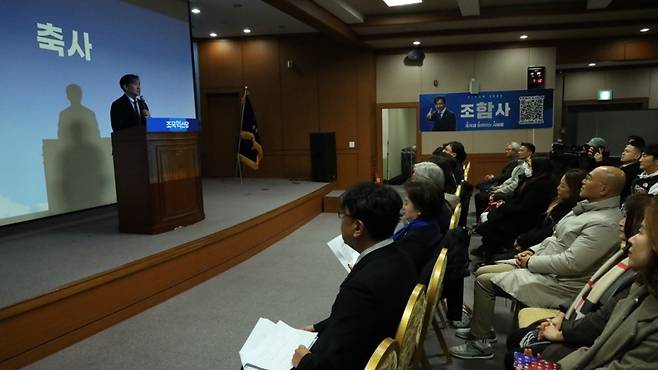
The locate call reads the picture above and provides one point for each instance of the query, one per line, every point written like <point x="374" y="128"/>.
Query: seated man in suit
<point x="130" y="109"/>
<point x="371" y="299"/>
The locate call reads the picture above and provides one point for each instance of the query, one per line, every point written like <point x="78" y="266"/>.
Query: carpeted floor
<point x="295" y="280"/>
<point x="39" y="257"/>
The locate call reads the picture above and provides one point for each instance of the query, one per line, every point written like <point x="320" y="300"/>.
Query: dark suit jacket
<point x="367" y="309"/>
<point x="123" y="115"/>
<point x="446" y="123"/>
<point x="631" y="171"/>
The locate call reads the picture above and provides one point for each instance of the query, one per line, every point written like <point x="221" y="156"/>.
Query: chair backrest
<point x="408" y="333"/>
<point x="434" y="288"/>
<point x="386" y="356"/>
<point x="459" y="190"/>
<point x="467" y="169"/>
<point x="454" y="220"/>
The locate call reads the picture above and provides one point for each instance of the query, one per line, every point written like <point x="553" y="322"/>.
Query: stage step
<point x="331" y="201"/>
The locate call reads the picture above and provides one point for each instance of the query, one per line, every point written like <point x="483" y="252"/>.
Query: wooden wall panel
<point x="346" y="169"/>
<point x="262" y="76"/>
<point x="299" y="92"/>
<point x="337" y="100"/>
<point x="366" y="117"/>
<point x="220" y="64"/>
<point x="330" y="88"/>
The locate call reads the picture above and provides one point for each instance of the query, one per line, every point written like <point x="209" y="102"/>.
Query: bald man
<point x="552" y="272"/>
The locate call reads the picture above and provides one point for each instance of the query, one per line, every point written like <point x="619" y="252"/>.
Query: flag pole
<point x="238" y="163"/>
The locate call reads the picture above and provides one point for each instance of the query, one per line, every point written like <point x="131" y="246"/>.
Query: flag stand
<point x="238" y="163"/>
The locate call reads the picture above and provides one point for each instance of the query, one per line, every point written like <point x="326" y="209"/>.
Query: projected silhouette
<point x="75" y="163"/>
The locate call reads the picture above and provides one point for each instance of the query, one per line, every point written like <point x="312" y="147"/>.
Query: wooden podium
<point x="158" y="179"/>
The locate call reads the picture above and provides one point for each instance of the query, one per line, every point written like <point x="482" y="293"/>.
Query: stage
<point x="82" y="258"/>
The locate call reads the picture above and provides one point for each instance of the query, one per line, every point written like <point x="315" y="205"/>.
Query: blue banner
<point x="488" y="110"/>
<point x="172" y="125"/>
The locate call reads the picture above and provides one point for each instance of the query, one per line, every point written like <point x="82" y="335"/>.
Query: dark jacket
<point x="446" y="123"/>
<point x="544" y="228"/>
<point x="631" y="171"/>
<point x="367" y="309"/>
<point x="520" y="213"/>
<point x="419" y="243"/>
<point x="123" y="115"/>
<point x="504" y="174"/>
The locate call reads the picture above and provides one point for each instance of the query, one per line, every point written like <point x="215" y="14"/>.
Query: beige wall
<point x="503" y="69"/>
<point x="625" y="83"/>
<point x="398" y="131"/>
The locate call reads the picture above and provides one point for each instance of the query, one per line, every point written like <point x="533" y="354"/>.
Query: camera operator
<point x="594" y="154"/>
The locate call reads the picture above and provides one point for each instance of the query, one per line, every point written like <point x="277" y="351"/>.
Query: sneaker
<point x="473" y="350"/>
<point x="466" y="335"/>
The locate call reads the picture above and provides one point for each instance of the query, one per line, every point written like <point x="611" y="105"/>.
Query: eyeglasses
<point x="342" y="214"/>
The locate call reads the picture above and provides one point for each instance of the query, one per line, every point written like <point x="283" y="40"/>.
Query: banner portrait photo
<point x="488" y="110"/>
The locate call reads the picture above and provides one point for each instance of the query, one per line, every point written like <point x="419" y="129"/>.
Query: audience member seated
<point x="446" y="163"/>
<point x="430" y="172"/>
<point x="482" y="197"/>
<point x="647" y="181"/>
<point x="630" y="163"/>
<point x="568" y="194"/>
<point x="421" y="236"/>
<point x="372" y="297"/>
<point x="523" y="168"/>
<point x="456" y="150"/>
<point x="552" y="272"/>
<point x="588" y="313"/>
<point x="629" y="339"/>
<point x="520" y="213"/>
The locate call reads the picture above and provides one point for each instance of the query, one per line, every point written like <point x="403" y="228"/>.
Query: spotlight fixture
<point x="246" y="30"/>
<point x="523" y="37"/>
<point x="196" y="10"/>
<point x="212" y="34"/>
<point x="592" y="64"/>
<point x="416" y="42"/>
<point x="645" y="29"/>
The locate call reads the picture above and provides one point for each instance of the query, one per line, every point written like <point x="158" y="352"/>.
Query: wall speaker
<point x="323" y="156"/>
<point x="415" y="57"/>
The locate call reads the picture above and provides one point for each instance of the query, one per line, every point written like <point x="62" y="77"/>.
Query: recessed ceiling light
<point x="196" y="10"/>
<point x="416" y="42"/>
<point x="246" y="30"/>
<point x="592" y="64"/>
<point x="212" y="34"/>
<point x="645" y="29"/>
<point x="523" y="37"/>
<point x="402" y="2"/>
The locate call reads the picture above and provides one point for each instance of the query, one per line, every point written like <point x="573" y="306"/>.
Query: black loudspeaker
<point x="415" y="57"/>
<point x="323" y="156"/>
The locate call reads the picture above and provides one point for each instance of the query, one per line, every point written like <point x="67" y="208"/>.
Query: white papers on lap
<point x="270" y="346"/>
<point x="345" y="254"/>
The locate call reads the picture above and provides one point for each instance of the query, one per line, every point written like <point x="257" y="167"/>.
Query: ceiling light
<point x="212" y="34"/>
<point x="523" y="37"/>
<point x="402" y="2"/>
<point x="416" y="42"/>
<point x="246" y="30"/>
<point x="645" y="29"/>
<point x="592" y="64"/>
<point x="196" y="10"/>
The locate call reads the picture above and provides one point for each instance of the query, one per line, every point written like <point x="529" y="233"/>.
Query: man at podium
<point x="130" y="109"/>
